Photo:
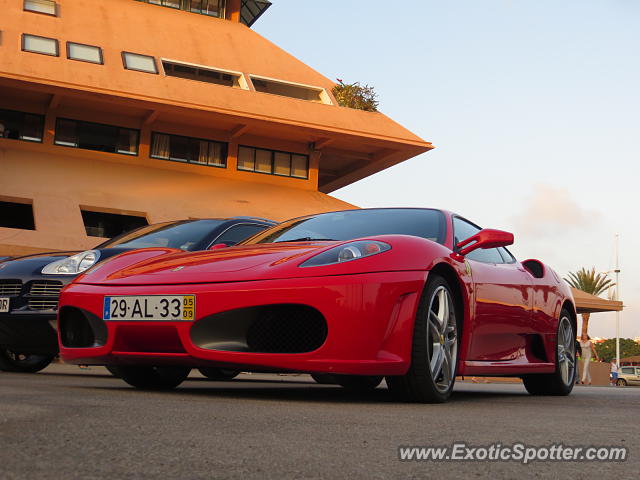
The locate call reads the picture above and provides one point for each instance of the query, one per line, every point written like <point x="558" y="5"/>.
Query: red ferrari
<point x="414" y="295"/>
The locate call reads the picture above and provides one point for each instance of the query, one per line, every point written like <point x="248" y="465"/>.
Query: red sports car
<point x="415" y="295"/>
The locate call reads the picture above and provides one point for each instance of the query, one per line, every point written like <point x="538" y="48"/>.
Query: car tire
<point x="219" y="374"/>
<point x="358" y="383"/>
<point x="14" y="362"/>
<point x="434" y="359"/>
<point x="325" y="378"/>
<point x="154" y="378"/>
<point x="561" y="381"/>
<point x="621" y="382"/>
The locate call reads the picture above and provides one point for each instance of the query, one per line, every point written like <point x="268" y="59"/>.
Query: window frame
<point x="24" y="48"/>
<point x="98" y="210"/>
<point x="55" y="133"/>
<point x="68" y="45"/>
<point x="124" y="53"/>
<point x="237" y="80"/>
<point x="225" y="146"/>
<point x="42" y="122"/>
<point x="25" y="202"/>
<point x="273" y="158"/>
<point x="55" y="9"/>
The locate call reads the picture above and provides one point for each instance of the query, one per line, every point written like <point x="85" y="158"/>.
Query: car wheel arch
<point x="570" y="307"/>
<point x="455" y="283"/>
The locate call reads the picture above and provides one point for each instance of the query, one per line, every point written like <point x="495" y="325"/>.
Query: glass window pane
<point x="282" y="164"/>
<point x="101" y="138"/>
<point x="263" y="161"/>
<point x="48" y="46"/>
<point x="245" y="158"/>
<point x="179" y="149"/>
<point x="160" y="146"/>
<point x="299" y="166"/>
<point x="84" y="52"/>
<point x="40" y="6"/>
<point x="33" y="126"/>
<point x="128" y="141"/>
<point x="144" y="63"/>
<point x="216" y="155"/>
<point x="66" y="133"/>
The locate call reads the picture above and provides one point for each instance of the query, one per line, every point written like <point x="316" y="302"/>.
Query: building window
<point x="108" y="225"/>
<point x="47" y="7"/>
<point x="16" y="215"/>
<point x="96" y="136"/>
<point x="213" y="8"/>
<point x="201" y="74"/>
<point x="291" y="90"/>
<point x="139" y="63"/>
<point x="21" y="126"/>
<point x="189" y="150"/>
<point x="273" y="162"/>
<point x="43" y="45"/>
<point x="84" y="53"/>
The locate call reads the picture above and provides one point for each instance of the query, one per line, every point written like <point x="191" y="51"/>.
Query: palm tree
<point x="591" y="282"/>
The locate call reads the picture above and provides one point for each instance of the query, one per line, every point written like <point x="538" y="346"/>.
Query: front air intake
<point x="283" y="328"/>
<point x="81" y="329"/>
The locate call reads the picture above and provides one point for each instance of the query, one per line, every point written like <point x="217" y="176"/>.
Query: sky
<point x="533" y="107"/>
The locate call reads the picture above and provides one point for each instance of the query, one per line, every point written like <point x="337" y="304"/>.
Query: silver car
<point x="628" y="376"/>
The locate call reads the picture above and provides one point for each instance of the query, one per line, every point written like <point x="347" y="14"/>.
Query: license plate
<point x="4" y="304"/>
<point x="171" y="308"/>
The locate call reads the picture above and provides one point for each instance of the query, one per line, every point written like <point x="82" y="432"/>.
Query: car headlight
<point x="347" y="252"/>
<point x="73" y="265"/>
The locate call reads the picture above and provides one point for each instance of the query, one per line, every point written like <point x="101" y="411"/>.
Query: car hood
<point x="269" y="261"/>
<point x="156" y="266"/>
<point x="30" y="264"/>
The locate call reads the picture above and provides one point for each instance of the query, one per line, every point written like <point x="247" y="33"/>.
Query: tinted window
<point x="188" y="235"/>
<point x="627" y="371"/>
<point x="463" y="230"/>
<point x="429" y="224"/>
<point x="237" y="233"/>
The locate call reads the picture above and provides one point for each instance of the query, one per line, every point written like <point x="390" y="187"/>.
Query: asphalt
<point x="66" y="423"/>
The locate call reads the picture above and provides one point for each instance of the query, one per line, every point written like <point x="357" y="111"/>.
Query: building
<point x="122" y="112"/>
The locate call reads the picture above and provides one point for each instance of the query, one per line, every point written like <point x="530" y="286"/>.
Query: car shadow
<point x="302" y="391"/>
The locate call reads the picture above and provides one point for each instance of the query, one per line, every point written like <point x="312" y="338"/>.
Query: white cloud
<point x="552" y="210"/>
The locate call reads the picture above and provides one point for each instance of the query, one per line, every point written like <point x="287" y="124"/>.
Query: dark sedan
<point x="30" y="285"/>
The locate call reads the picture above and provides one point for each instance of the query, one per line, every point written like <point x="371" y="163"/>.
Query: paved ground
<point x="66" y="423"/>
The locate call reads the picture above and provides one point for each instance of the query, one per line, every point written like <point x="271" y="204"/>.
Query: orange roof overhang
<point x="587" y="303"/>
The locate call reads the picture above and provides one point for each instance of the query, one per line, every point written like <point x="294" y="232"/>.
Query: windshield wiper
<point x="308" y="239"/>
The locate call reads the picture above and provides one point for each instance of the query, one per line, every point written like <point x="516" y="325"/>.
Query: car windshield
<point x="349" y="224"/>
<point x="185" y="235"/>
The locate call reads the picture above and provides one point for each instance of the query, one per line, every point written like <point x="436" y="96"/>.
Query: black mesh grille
<point x="282" y="328"/>
<point x="287" y="329"/>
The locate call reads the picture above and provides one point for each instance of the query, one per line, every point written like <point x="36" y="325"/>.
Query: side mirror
<point x="487" y="238"/>
<point x="218" y="246"/>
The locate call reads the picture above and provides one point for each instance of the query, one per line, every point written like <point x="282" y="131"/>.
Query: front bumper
<point x="369" y="324"/>
<point x="29" y="325"/>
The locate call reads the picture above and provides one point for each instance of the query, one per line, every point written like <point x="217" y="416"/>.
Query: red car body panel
<point x="509" y="326"/>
